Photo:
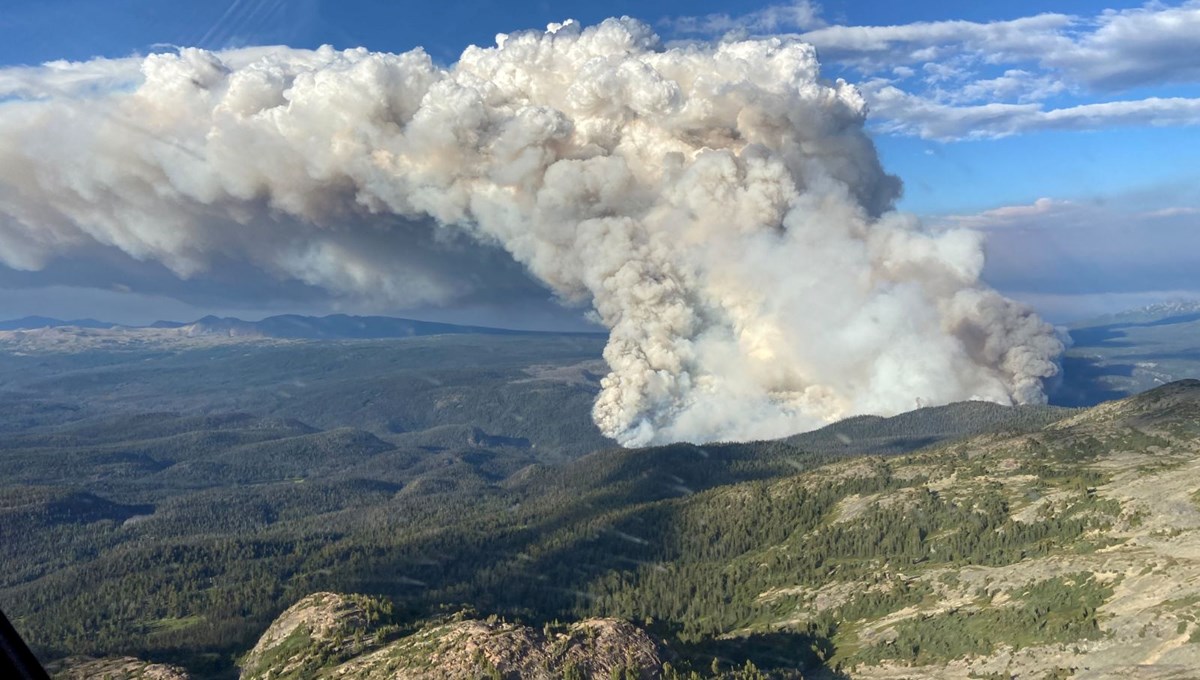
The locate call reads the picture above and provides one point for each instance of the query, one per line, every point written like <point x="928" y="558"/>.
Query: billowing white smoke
<point x="719" y="206"/>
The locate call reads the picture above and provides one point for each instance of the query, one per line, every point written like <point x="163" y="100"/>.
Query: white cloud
<point x="1129" y="48"/>
<point x="1115" y="50"/>
<point x="899" y="112"/>
<point x="939" y="72"/>
<point x="1015" y="85"/>
<point x="799" y="15"/>
<point x="987" y="79"/>
<point x="877" y="48"/>
<point x="1008" y="214"/>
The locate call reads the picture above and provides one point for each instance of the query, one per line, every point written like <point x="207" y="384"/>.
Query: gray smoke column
<point x="719" y="206"/>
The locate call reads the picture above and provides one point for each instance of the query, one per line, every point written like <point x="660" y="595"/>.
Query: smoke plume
<point x="719" y="207"/>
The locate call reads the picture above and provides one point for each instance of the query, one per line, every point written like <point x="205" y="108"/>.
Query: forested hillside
<point x="965" y="540"/>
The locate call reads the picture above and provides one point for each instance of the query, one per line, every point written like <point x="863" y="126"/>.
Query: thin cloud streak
<point x="899" y="112"/>
<point x="800" y="15"/>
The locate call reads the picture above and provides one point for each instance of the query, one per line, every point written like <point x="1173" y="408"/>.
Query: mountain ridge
<point x="284" y="326"/>
<point x="36" y="322"/>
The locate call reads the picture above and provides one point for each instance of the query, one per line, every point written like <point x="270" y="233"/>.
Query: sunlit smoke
<point x="719" y="207"/>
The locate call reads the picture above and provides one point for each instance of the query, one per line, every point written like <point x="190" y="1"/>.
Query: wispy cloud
<point x="800" y="15"/>
<point x="1015" y="85"/>
<point x="877" y="48"/>
<point x="1176" y="211"/>
<point x="1112" y="51"/>
<point x="899" y="112"/>
<point x="1154" y="44"/>
<point x="1008" y="214"/>
<point x="950" y="80"/>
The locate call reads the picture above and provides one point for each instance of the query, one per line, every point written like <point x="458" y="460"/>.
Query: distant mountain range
<point x="1149" y="313"/>
<point x="1117" y="355"/>
<point x="285" y="326"/>
<point x="35" y="322"/>
<point x="1110" y="357"/>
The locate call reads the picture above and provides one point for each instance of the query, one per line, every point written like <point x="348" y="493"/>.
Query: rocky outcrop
<point x="327" y="635"/>
<point x="316" y="632"/>
<point x="114" y="668"/>
<point x="593" y="648"/>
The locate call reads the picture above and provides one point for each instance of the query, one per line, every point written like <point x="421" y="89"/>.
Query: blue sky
<point x="1015" y="118"/>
